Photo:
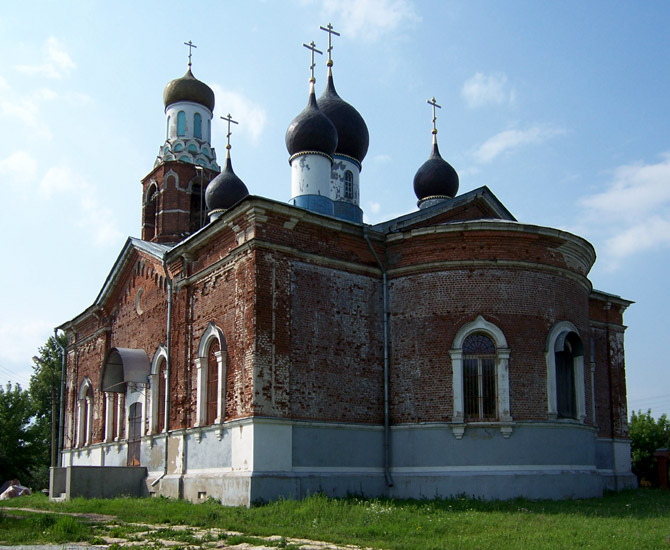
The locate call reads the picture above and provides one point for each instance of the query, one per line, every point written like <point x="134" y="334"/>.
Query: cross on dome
<point x="433" y="102"/>
<point x="190" y="46"/>
<point x="230" y="120"/>
<point x="329" y="29"/>
<point x="312" y="47"/>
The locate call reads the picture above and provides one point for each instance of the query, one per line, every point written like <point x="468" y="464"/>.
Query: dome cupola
<point x="226" y="189"/>
<point x="436" y="180"/>
<point x="353" y="138"/>
<point x="311" y="140"/>
<point x="189" y="106"/>
<point x="311" y="130"/>
<point x="188" y="88"/>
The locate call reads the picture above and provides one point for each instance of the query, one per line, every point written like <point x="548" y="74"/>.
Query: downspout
<point x="608" y="307"/>
<point x="61" y="411"/>
<point x="385" y="322"/>
<point x="168" y="361"/>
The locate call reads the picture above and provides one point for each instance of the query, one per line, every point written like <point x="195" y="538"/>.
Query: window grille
<point x="479" y="378"/>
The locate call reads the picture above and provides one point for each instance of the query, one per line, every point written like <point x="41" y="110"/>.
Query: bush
<point x="647" y="435"/>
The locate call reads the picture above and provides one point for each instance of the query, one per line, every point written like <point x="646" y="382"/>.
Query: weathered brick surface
<point x="298" y="298"/>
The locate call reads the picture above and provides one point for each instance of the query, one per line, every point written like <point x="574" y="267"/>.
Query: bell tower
<point x="173" y="193"/>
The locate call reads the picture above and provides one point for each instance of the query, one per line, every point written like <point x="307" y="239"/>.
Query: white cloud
<point x="60" y="179"/>
<point x="3" y="84"/>
<point x="57" y="62"/>
<point x="19" y="166"/>
<point x="250" y="116"/>
<point x="382" y="159"/>
<point x="510" y="140"/>
<point x="648" y="234"/>
<point x="642" y="188"/>
<point x="375" y="207"/>
<point x="371" y="19"/>
<point x="634" y="211"/>
<point x="98" y="221"/>
<point x="483" y="90"/>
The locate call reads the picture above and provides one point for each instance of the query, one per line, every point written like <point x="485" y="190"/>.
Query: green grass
<point x="628" y="520"/>
<point x="43" y="528"/>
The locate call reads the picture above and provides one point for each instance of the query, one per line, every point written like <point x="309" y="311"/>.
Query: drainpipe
<point x="385" y="322"/>
<point x="168" y="361"/>
<point x="61" y="412"/>
<point x="608" y="307"/>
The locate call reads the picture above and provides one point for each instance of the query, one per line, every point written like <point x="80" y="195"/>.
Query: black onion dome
<point x="311" y="130"/>
<point x="188" y="88"/>
<point x="225" y="190"/>
<point x="353" y="138"/>
<point x="436" y="177"/>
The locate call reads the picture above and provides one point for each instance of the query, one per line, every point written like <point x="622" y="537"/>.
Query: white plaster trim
<point x="201" y="363"/>
<point x="154" y="382"/>
<point x="502" y="373"/>
<point x="562" y="329"/>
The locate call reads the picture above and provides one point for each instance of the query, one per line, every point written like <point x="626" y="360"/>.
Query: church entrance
<point x="134" y="434"/>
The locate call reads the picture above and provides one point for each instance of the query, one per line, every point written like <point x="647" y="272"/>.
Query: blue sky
<point x="560" y="108"/>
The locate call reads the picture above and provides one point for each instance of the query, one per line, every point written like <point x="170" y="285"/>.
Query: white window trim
<point x="154" y="383"/>
<point x="561" y="330"/>
<point x="84" y="412"/>
<point x="211" y="333"/>
<point x="502" y="375"/>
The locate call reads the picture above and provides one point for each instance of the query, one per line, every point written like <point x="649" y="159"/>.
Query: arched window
<point x="480" y="376"/>
<point x="181" y="123"/>
<point x="197" y="126"/>
<point x="565" y="373"/>
<point x="167" y="131"/>
<point x="158" y="382"/>
<point x="84" y="413"/>
<point x="150" y="208"/>
<point x="348" y="185"/>
<point x="197" y="207"/>
<point x="211" y="384"/>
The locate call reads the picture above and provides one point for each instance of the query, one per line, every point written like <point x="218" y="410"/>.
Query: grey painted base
<point x="259" y="459"/>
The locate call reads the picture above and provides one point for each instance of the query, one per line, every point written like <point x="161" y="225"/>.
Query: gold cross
<point x="190" y="45"/>
<point x="329" y="29"/>
<point x="312" y="47"/>
<point x="434" y="104"/>
<point x="229" y="119"/>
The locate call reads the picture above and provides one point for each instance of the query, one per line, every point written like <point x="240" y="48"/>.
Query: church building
<point x="247" y="349"/>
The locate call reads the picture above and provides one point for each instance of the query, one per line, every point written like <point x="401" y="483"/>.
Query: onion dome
<point x="353" y="138"/>
<point x="188" y="88"/>
<point x="311" y="130"/>
<point x="436" y="178"/>
<point x="225" y="190"/>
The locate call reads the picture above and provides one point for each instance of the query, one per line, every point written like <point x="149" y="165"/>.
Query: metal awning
<point x="123" y="365"/>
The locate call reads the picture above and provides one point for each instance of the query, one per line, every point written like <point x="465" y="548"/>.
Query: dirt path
<point x="142" y="535"/>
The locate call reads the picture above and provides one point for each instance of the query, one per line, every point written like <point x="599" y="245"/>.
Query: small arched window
<point x="162" y="382"/>
<point x="150" y="209"/>
<point x="167" y="130"/>
<point x="84" y="413"/>
<point x="211" y="372"/>
<point x="348" y="185"/>
<point x="479" y="377"/>
<point x="212" y="382"/>
<point x="565" y="373"/>
<point x="181" y="123"/>
<point x="197" y="126"/>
